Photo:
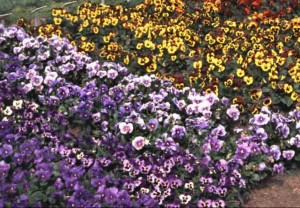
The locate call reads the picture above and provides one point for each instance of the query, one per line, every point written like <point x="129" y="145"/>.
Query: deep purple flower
<point x="63" y="92"/>
<point x="97" y="182"/>
<point x="146" y="201"/>
<point x="44" y="171"/>
<point x="27" y="147"/>
<point x="124" y="199"/>
<point x="167" y="144"/>
<point x="58" y="184"/>
<point x="178" y="132"/>
<point x="216" y="144"/>
<point x="288" y="154"/>
<point x="6" y="150"/>
<point x="218" y="203"/>
<point x="152" y="124"/>
<point x="242" y="151"/>
<point x="111" y="195"/>
<point x="4" y="168"/>
<point x="18" y="158"/>
<point x="254" y="148"/>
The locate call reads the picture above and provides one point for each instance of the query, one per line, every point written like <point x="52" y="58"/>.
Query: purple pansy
<point x="178" y="132"/>
<point x="6" y="150"/>
<point x="288" y="154"/>
<point x="152" y="124"/>
<point x="138" y="142"/>
<point x="233" y="112"/>
<point x="275" y="152"/>
<point x="260" y="119"/>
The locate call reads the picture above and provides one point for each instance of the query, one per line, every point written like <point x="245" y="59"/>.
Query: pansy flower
<point x="288" y="154"/>
<point x="4" y="168"/>
<point x="260" y="119"/>
<point x="152" y="124"/>
<point x="295" y="141"/>
<point x="178" y="132"/>
<point x="278" y="168"/>
<point x="275" y="152"/>
<point x="138" y="142"/>
<point x="233" y="112"/>
<point x="125" y="128"/>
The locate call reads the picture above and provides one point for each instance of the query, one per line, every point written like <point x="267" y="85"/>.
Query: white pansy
<point x="17" y="104"/>
<point x="7" y="111"/>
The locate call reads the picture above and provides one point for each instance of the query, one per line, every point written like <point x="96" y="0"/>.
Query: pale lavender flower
<point x="295" y="141"/>
<point x="261" y="134"/>
<point x="211" y="97"/>
<point x="288" y="154"/>
<point x="152" y="124"/>
<point x="37" y="80"/>
<point x="278" y="168"/>
<point x="219" y="131"/>
<point x="260" y="119"/>
<point x="275" y="152"/>
<point x="204" y="203"/>
<point x="125" y="128"/>
<point x="262" y="166"/>
<point x="146" y="81"/>
<point x="233" y="112"/>
<point x="112" y="74"/>
<point x="138" y="142"/>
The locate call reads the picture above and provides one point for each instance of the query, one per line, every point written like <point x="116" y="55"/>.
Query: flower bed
<point x="252" y="60"/>
<point x="78" y="132"/>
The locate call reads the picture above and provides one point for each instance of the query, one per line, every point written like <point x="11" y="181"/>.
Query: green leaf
<point x="37" y="196"/>
<point x="255" y="177"/>
<point x="297" y="158"/>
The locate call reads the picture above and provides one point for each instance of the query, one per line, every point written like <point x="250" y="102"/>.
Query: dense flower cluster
<point x="254" y="60"/>
<point x="76" y="132"/>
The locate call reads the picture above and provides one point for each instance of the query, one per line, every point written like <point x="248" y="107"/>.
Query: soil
<point x="277" y="191"/>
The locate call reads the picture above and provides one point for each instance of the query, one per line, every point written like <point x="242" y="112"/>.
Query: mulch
<point x="277" y="191"/>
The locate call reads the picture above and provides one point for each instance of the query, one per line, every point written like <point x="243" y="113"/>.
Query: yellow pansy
<point x="248" y="80"/>
<point x="197" y="64"/>
<point x="172" y="49"/>
<point x="288" y="88"/>
<point x="265" y="66"/>
<point x="139" y="46"/>
<point x="143" y="60"/>
<point x="126" y="60"/>
<point x="57" y="20"/>
<point x="240" y="72"/>
<point x="294" y="96"/>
